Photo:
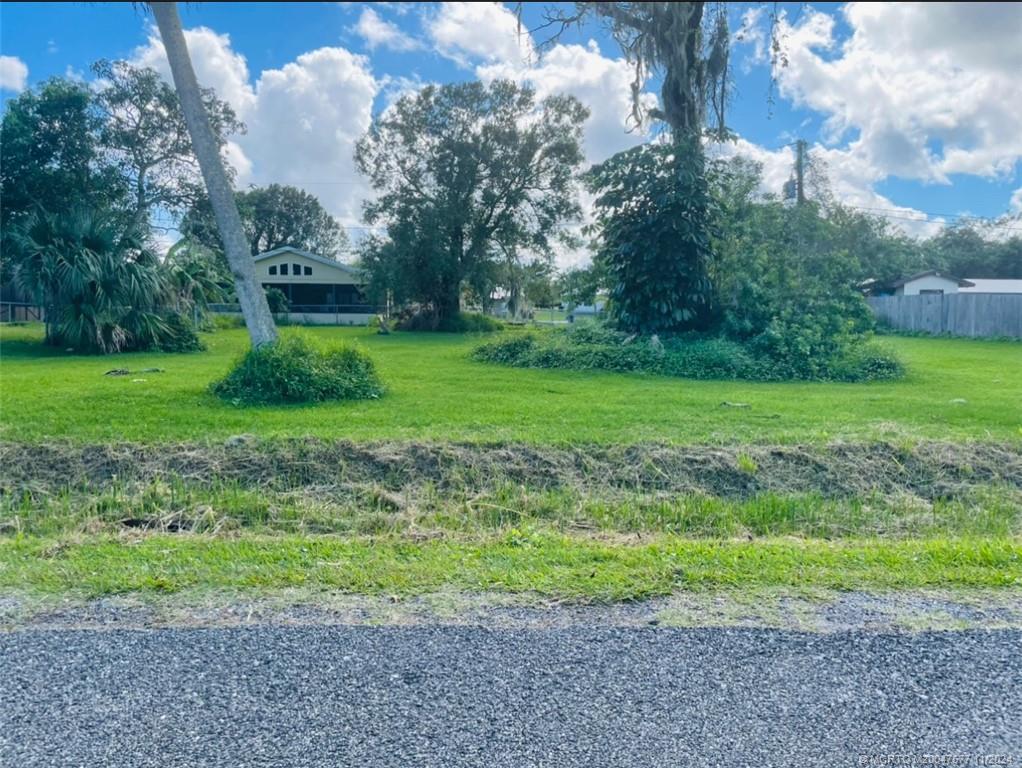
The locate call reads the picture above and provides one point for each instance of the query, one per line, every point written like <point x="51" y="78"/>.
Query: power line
<point x="795" y="188"/>
<point x="923" y="217"/>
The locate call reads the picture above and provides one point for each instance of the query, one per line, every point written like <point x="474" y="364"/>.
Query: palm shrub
<point x="197" y="278"/>
<point x="103" y="289"/>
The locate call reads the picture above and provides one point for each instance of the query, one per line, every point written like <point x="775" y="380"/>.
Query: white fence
<point x="986" y="315"/>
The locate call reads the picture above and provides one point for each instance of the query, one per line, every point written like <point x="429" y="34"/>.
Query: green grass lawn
<point x="956" y="389"/>
<point x="543" y="564"/>
<point x="566" y="544"/>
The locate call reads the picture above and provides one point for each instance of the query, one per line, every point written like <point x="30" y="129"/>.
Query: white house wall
<point x="928" y="283"/>
<point x="321" y="273"/>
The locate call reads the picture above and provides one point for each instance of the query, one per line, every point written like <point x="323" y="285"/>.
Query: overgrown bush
<point x="277" y="300"/>
<point x="462" y="322"/>
<point x="296" y="370"/>
<point x="655" y="221"/>
<point x="596" y="347"/>
<point x="180" y="335"/>
<point x="227" y="322"/>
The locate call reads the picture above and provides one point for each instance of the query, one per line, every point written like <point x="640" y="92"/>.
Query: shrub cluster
<point x="593" y="347"/>
<point x="180" y="335"/>
<point x="463" y="322"/>
<point x="295" y="370"/>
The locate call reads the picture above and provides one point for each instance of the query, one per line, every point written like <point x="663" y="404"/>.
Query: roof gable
<point x="930" y="273"/>
<point x="306" y="254"/>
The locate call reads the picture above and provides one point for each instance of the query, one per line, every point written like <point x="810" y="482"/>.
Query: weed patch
<point x="593" y="347"/>
<point x="296" y="370"/>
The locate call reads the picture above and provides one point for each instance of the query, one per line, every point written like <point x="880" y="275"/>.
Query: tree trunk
<point x="448" y="302"/>
<point x="251" y="297"/>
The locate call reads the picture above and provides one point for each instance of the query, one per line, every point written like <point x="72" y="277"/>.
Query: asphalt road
<point x="461" y="696"/>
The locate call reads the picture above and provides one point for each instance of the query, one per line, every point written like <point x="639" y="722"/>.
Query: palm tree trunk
<point x="251" y="296"/>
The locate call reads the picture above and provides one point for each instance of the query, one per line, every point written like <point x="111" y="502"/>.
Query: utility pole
<point x="800" y="171"/>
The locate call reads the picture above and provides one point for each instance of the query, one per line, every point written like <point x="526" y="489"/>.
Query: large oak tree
<point x="467" y="176"/>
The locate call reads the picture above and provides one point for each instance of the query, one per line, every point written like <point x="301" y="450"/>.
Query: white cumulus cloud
<point x="1015" y="206"/>
<point x="13" y="74"/>
<point x="308" y="115"/>
<point x="216" y="64"/>
<point x="601" y="83"/>
<point x="921" y="91"/>
<point x="473" y="32"/>
<point x="380" y="33"/>
<point x="303" y="119"/>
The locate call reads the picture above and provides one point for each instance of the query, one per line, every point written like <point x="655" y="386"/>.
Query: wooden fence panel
<point x="980" y="315"/>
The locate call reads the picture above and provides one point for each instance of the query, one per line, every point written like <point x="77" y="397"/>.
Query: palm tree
<point x="103" y="289"/>
<point x="251" y="296"/>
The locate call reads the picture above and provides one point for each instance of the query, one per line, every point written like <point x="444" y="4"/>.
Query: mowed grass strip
<point x="543" y="564"/>
<point x="956" y="389"/>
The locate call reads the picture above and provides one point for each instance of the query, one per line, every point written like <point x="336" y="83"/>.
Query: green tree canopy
<point x="653" y="206"/>
<point x="273" y="217"/>
<point x="966" y="251"/>
<point x="52" y="157"/>
<point x="653" y="227"/>
<point x="580" y="285"/>
<point x="143" y="132"/>
<point x="467" y="176"/>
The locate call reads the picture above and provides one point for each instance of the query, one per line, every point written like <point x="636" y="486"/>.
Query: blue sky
<point x="914" y="110"/>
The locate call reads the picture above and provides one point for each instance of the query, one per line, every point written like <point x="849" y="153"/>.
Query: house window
<point x="297" y="268"/>
<point x="283" y="269"/>
<point x="931" y="291"/>
<point x="308" y="271"/>
<point x="273" y="269"/>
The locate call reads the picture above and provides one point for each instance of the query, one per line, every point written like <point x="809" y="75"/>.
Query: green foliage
<point x="788" y="270"/>
<point x="470" y="322"/>
<point x="227" y="322"/>
<point x="277" y="300"/>
<point x="581" y="284"/>
<point x="273" y="217"/>
<point x="102" y="288"/>
<point x="964" y="251"/>
<point x="111" y="154"/>
<point x="469" y="177"/>
<point x="653" y="213"/>
<point x="787" y="279"/>
<point x="197" y="277"/>
<point x="594" y="347"/>
<point x="294" y="369"/>
<point x="463" y="322"/>
<point x="143" y="132"/>
<point x="747" y="464"/>
<point x="52" y="157"/>
<point x="526" y="286"/>
<point x="180" y="335"/>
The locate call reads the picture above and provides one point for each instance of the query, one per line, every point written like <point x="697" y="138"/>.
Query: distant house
<point x="319" y="290"/>
<point x="986" y="285"/>
<point x="931" y="302"/>
<point x="924" y="283"/>
<point x="595" y="309"/>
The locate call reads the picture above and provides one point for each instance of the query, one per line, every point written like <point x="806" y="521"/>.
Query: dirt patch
<point x="926" y="470"/>
<point x="817" y="611"/>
